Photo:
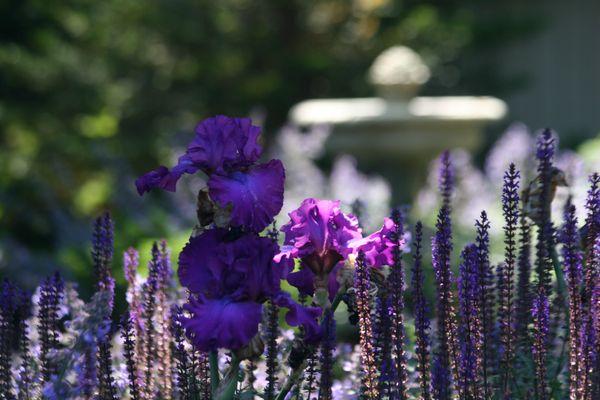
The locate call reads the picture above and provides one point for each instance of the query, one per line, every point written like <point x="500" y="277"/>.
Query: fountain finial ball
<point x="398" y="73"/>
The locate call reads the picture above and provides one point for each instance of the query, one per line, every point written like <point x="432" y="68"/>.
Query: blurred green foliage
<point x="92" y="94"/>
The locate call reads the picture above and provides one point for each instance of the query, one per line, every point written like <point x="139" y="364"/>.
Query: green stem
<point x="213" y="359"/>
<point x="289" y="383"/>
<point x="227" y="388"/>
<point x="336" y="300"/>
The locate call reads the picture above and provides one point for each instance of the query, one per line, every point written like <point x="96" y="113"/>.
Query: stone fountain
<point x="397" y="133"/>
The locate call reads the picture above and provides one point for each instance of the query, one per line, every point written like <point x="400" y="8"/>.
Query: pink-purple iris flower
<point x="322" y="237"/>
<point x="230" y="275"/>
<point x="379" y="247"/>
<point x="226" y="150"/>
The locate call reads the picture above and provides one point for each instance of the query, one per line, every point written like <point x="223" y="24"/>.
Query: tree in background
<point x="91" y="92"/>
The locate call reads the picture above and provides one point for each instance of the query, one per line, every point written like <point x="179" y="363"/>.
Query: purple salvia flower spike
<point x="590" y="232"/>
<point x="163" y="320"/>
<point x="201" y="373"/>
<point x="595" y="347"/>
<point x="446" y="357"/>
<point x="102" y="251"/>
<point x="51" y="292"/>
<point x="396" y="283"/>
<point x="363" y="305"/>
<point x="540" y="312"/>
<point x="128" y="335"/>
<point x="102" y="254"/>
<point x="150" y="289"/>
<point x="382" y="331"/>
<point x="510" y="210"/>
<point x="25" y="378"/>
<point x="572" y="261"/>
<point x="310" y="376"/>
<point x="470" y="384"/>
<point x="183" y="367"/>
<point x="486" y="296"/>
<point x="106" y="382"/>
<point x="421" y="320"/>
<point x="271" y="333"/>
<point x="131" y="261"/>
<point x="539" y="197"/>
<point x="8" y="304"/>
<point x="89" y="377"/>
<point x="589" y="356"/>
<point x="326" y="357"/>
<point x="524" y="295"/>
<point x="135" y="299"/>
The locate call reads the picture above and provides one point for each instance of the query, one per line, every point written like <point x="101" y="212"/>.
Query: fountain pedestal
<point x="397" y="134"/>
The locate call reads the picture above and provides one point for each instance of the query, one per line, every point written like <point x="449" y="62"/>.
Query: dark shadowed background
<point x="94" y="93"/>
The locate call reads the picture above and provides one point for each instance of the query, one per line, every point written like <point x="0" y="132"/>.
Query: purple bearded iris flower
<point x="378" y="247"/>
<point x="229" y="277"/>
<point x="226" y="149"/>
<point x="255" y="196"/>
<point x="319" y="235"/>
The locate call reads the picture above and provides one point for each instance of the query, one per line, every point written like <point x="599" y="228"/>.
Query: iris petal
<point x="378" y="247"/>
<point x="221" y="323"/>
<point x="223" y="143"/>
<point x="299" y="315"/>
<point x="255" y="196"/>
<point x="215" y="265"/>
<point x="320" y="234"/>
